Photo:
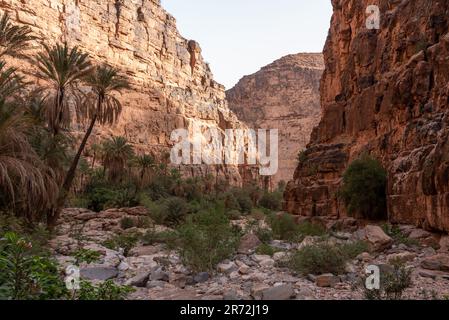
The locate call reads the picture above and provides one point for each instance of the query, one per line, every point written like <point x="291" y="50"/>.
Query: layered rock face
<point x="173" y="86"/>
<point x="285" y="96"/>
<point x="384" y="92"/>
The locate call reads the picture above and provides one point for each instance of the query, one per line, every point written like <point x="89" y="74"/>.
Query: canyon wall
<point x="283" y="95"/>
<point x="384" y="92"/>
<point x="172" y="85"/>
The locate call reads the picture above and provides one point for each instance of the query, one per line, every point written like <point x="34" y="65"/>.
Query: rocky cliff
<point x="384" y="92"/>
<point x="173" y="86"/>
<point x="283" y="95"/>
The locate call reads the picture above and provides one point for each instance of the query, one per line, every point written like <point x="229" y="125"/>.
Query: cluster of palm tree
<point x="37" y="169"/>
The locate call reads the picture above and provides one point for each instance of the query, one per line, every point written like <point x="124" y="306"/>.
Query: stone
<point x="155" y="284"/>
<point x="439" y="262"/>
<point x="418" y="234"/>
<point x="267" y="263"/>
<point x="227" y="268"/>
<point x="444" y="244"/>
<point x="249" y="243"/>
<point x="376" y="238"/>
<point x="159" y="274"/>
<point x="280" y="292"/>
<point x="257" y="291"/>
<point x="201" y="277"/>
<point x="98" y="273"/>
<point x="364" y="256"/>
<point x="140" y="280"/>
<point x="326" y="280"/>
<point x="244" y="270"/>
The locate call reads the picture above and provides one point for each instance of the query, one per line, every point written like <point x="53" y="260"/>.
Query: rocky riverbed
<point x="157" y="272"/>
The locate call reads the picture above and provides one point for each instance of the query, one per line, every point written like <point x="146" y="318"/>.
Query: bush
<point x="284" y="227"/>
<point x="126" y="223"/>
<point x="398" y="237"/>
<point x="264" y="235"/>
<point x="86" y="255"/>
<point x="325" y="258"/>
<point x="265" y="249"/>
<point x="26" y="276"/>
<point x="152" y="237"/>
<point x="271" y="201"/>
<point x="364" y="188"/>
<point x="107" y="290"/>
<point x="311" y="229"/>
<point x="123" y="241"/>
<point x="392" y="284"/>
<point x="207" y="239"/>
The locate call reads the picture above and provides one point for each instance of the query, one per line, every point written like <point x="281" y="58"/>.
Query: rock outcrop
<point x="172" y="85"/>
<point x="384" y="92"/>
<point x="283" y="95"/>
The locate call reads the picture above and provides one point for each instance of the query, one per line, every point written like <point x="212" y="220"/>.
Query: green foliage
<point x="323" y="258"/>
<point x="271" y="201"/>
<point x="311" y="229"/>
<point x="167" y="237"/>
<point x="86" y="256"/>
<point x="126" y="223"/>
<point x="107" y="290"/>
<point x="284" y="227"/>
<point x="364" y="188"/>
<point x="392" y="284"/>
<point x="122" y="241"/>
<point x="265" y="249"/>
<point x="264" y="235"/>
<point x="25" y="275"/>
<point x="207" y="239"/>
<point x="169" y="211"/>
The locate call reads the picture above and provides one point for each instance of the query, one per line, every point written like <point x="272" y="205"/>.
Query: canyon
<point x="283" y="95"/>
<point x="172" y="85"/>
<point x="383" y="92"/>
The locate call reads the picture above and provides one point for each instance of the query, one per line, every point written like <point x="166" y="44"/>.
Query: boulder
<point x="249" y="243"/>
<point x="201" y="277"/>
<point x="159" y="274"/>
<point x="99" y="273"/>
<point x="439" y="262"/>
<point x="326" y="280"/>
<point x="376" y="238"/>
<point x="227" y="267"/>
<point x="281" y="292"/>
<point x="402" y="257"/>
<point x="140" y="280"/>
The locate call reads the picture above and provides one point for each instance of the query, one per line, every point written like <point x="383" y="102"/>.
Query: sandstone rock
<point x="156" y="284"/>
<point x="439" y="262"/>
<point x="364" y="256"/>
<point x="444" y="244"/>
<point x="280" y="292"/>
<point x="98" y="273"/>
<point x="227" y="268"/>
<point x="257" y="291"/>
<point x="201" y="277"/>
<point x="283" y="95"/>
<point x="326" y="280"/>
<point x="377" y="239"/>
<point x="418" y="234"/>
<point x="267" y="263"/>
<point x="369" y="76"/>
<point x="249" y="243"/>
<point x="140" y="280"/>
<point x="159" y="274"/>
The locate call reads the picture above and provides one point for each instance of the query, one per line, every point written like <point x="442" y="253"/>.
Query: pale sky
<point x="238" y="37"/>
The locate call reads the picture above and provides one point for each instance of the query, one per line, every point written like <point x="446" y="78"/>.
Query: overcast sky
<point x="238" y="37"/>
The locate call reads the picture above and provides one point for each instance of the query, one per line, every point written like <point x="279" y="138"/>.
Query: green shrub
<point x="122" y="241"/>
<point x="25" y="275"/>
<point x="86" y="255"/>
<point x="264" y="235"/>
<point x="233" y="214"/>
<point x="311" y="229"/>
<point x="170" y="211"/>
<point x="364" y="188"/>
<point x="265" y="249"/>
<point x="152" y="237"/>
<point x="107" y="290"/>
<point x="392" y="284"/>
<point x="207" y="239"/>
<point x="323" y="257"/>
<point x="126" y="223"/>
<point x="284" y="227"/>
<point x="271" y="201"/>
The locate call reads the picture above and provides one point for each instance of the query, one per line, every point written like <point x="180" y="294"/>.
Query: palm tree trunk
<point x="63" y="193"/>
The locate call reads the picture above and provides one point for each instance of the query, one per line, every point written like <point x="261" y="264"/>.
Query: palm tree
<point x="116" y="153"/>
<point x="21" y="170"/>
<point x="99" y="106"/>
<point x="62" y="69"/>
<point x="145" y="164"/>
<point x="13" y="39"/>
